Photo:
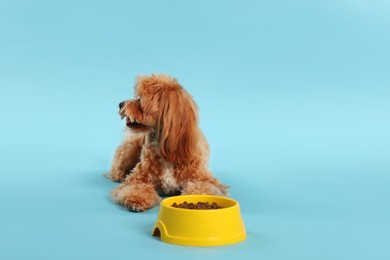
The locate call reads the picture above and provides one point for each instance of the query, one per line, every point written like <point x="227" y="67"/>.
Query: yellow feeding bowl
<point x="200" y="227"/>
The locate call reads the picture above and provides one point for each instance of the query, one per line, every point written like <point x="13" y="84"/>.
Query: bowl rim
<point x="163" y="202"/>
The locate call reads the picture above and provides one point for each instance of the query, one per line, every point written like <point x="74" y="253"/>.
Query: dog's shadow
<point x="101" y="186"/>
<point x="97" y="180"/>
<point x="141" y="222"/>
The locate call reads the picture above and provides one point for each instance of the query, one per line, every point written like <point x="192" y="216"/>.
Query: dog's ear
<point x="177" y="125"/>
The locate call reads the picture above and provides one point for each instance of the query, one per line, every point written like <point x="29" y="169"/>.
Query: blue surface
<point x="294" y="99"/>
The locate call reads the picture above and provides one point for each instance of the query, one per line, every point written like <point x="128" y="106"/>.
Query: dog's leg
<point x="137" y="192"/>
<point x="209" y="186"/>
<point x="126" y="157"/>
<point x="136" y="196"/>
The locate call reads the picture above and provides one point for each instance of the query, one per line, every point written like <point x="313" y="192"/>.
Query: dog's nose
<point x="121" y="104"/>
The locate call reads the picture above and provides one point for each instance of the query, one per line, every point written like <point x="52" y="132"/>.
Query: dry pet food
<point x="199" y="205"/>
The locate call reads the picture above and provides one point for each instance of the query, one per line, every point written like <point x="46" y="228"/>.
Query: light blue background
<point x="294" y="100"/>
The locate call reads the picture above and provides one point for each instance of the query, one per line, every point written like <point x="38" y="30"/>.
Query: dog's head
<point x="164" y="107"/>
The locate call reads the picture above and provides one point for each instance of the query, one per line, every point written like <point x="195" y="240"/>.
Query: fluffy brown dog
<point x="165" y="152"/>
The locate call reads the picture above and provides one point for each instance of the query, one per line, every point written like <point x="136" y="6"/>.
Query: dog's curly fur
<point x="165" y="152"/>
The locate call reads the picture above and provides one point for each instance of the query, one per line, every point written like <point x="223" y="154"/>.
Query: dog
<point x="165" y="152"/>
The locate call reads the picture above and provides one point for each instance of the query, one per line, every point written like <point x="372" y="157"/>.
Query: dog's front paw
<point x="117" y="176"/>
<point x="137" y="203"/>
<point x="135" y="198"/>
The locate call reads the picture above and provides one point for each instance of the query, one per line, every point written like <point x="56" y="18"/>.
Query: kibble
<point x="198" y="205"/>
